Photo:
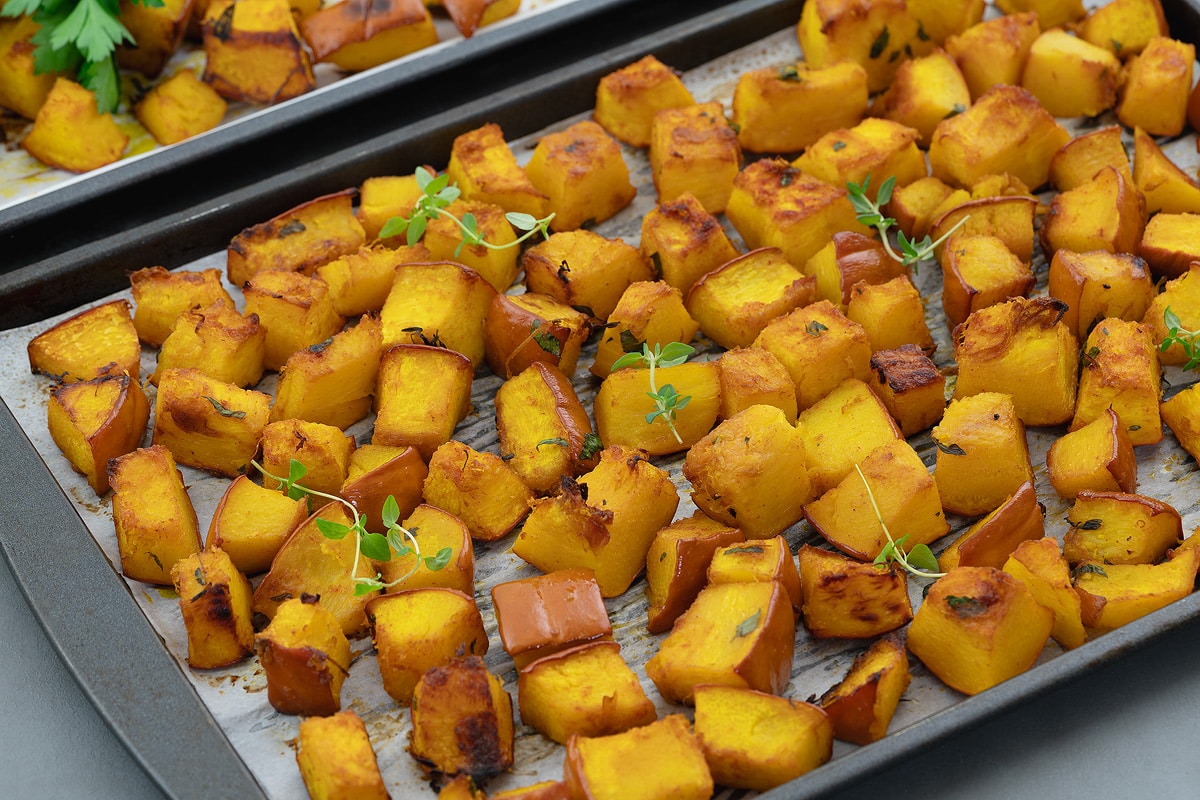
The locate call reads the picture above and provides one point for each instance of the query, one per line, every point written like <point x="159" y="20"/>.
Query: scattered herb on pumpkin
<point x="747" y="626"/>
<point x="223" y="409"/>
<point x="1088" y="525"/>
<point x="1177" y="334"/>
<point x="869" y="212"/>
<point x="919" y="561"/>
<point x="667" y="402"/>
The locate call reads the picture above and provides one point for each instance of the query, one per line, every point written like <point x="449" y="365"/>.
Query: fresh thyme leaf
<point x="545" y="340"/>
<point x="965" y="607"/>
<point x="674" y="354"/>
<point x="199" y="573"/>
<point x="375" y="547"/>
<point x="1086" y="569"/>
<point x="789" y="73"/>
<point x="439" y="560"/>
<point x="224" y="410"/>
<point x="750" y="548"/>
<point x="1093" y="524"/>
<point x="364" y="586"/>
<point x="332" y="530"/>
<point x="922" y="557"/>
<point x="629" y="342"/>
<point x="815" y="328"/>
<point x="291" y="227"/>
<point x="950" y="449"/>
<point x="390" y="512"/>
<point x="957" y="109"/>
<point x="591" y="446"/>
<point x="747" y="626"/>
<point x="561" y="442"/>
<point x="839" y="145"/>
<point x="880" y="44"/>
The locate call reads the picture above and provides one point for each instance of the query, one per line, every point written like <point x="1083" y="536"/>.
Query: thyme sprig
<point x="919" y="561"/>
<point x="667" y="401"/>
<point x="437" y="192"/>
<point x="869" y="212"/>
<point x="376" y="546"/>
<point x="1177" y="334"/>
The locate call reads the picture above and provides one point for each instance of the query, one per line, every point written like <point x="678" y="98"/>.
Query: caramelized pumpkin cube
<point x="295" y="310"/>
<point x="252" y="522"/>
<point x="70" y="133"/>
<point x="979" y="271"/>
<point x="336" y="759"/>
<point x="628" y="99"/>
<point x="1071" y="77"/>
<point x="161" y="297"/>
<point x="1165" y="186"/>
<point x="991" y="541"/>
<point x="1039" y="564"/>
<point x="1099" y="284"/>
<point x="97" y="341"/>
<point x="23" y="88"/>
<point x="479" y="488"/>
<point x="214" y="599"/>
<point x="305" y="658"/>
<point x="786" y="109"/>
<point x="993" y="52"/>
<point x="911" y="387"/>
<point x="583" y="175"/>
<point x="584" y="270"/>
<point x="180" y="107"/>
<point x="323" y="450"/>
<point x="651" y="313"/>
<point x="1120" y="528"/>
<point x="751" y="376"/>
<point x="874" y="35"/>
<point x="155" y="522"/>
<point x="983" y="456"/>
<point x="662" y="759"/>
<point x="849" y="259"/>
<point x="891" y="313"/>
<point x="1078" y="161"/>
<point x="424" y="392"/>
<point x="1113" y="595"/>
<point x="360" y="34"/>
<point x="439" y="535"/>
<point x="1155" y="87"/>
<point x="850" y="599"/>
<point x="438" y="303"/>
<point x="677" y="565"/>
<point x="841" y="429"/>
<point x="1121" y="372"/>
<point x="683" y="241"/>
<point x="332" y="383"/>
<point x="1096" y="456"/>
<point x="758" y="561"/>
<point x="485" y="169"/>
<point x="924" y="92"/>
<point x="217" y="341"/>
<point x="547" y="614"/>
<point x="207" y="424"/>
<point x="861" y="706"/>
<point x="626" y="414"/>
<point x="254" y="51"/>
<point x="524" y="328"/>
<point x="95" y="421"/>
<point x="1106" y="213"/>
<point x="873" y="147"/>
<point x="694" y="149"/>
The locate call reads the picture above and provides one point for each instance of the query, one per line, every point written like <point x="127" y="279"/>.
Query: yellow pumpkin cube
<point x="786" y="109"/>
<point x="993" y="52"/>
<point x="498" y="265"/>
<point x="160" y="297"/>
<point x="1106" y="213"/>
<point x="1120" y="528"/>
<point x="437" y="533"/>
<point x="1096" y="456"/>
<point x="861" y="706"/>
<point x="875" y="146"/>
<point x="751" y="376"/>
<point x="850" y="599"/>
<point x="295" y="310"/>
<point x="626" y="415"/>
<point x="758" y="561"/>
<point x="841" y="429"/>
<point x="662" y="759"/>
<point x="155" y="523"/>
<point x="95" y="421"/>
<point x="1169" y="246"/>
<point x="683" y="241"/>
<point x="1166" y="187"/>
<point x="1155" y="88"/>
<point x="523" y="328"/>
<point x="70" y="133"/>
<point x="1124" y="26"/>
<point x="649" y="312"/>
<point x="439" y="303"/>
<point x="23" y="89"/>
<point x="677" y="565"/>
<point x="875" y="35"/>
<point x="1182" y="415"/>
<point x="983" y="456"/>
<point x="214" y="599"/>
<point x="479" y="488"/>
<point x="911" y="387"/>
<point x="583" y="175"/>
<point x="1039" y="564"/>
<point x="1113" y="595"/>
<point x="1078" y="161"/>
<point x="485" y="169"/>
<point x="1069" y="76"/>
<point x="584" y="270"/>
<point x="1121" y="372"/>
<point x="378" y="471"/>
<point x="1098" y="285"/>
<point x="252" y="522"/>
<point x="925" y="91"/>
<point x="323" y="450"/>
<point x="424" y="392"/>
<point x="628" y="99"/>
<point x="218" y="341"/>
<point x="694" y="149"/>
<point x="336" y="759"/>
<point x="848" y="260"/>
<point x="254" y="51"/>
<point x="991" y="541"/>
<point x="208" y="424"/>
<point x="332" y="383"/>
<point x="979" y="271"/>
<point x="362" y="34"/>
<point x="97" y="341"/>
<point x="305" y="658"/>
<point x="891" y="313"/>
<point x="180" y="107"/>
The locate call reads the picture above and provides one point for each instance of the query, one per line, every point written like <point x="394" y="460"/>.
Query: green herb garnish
<point x="869" y="213"/>
<point x="1177" y="334"/>
<point x="919" y="561"/>
<point x="667" y="402"/>
<point x="223" y="409"/>
<point x="747" y="626"/>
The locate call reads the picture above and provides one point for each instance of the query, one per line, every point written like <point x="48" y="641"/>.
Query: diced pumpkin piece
<point x="180" y="107"/>
<point x="305" y="658"/>
<point x="360" y="34"/>
<point x="95" y="421"/>
<point x="630" y="765"/>
<point x="97" y="341"/>
<point x="1096" y="456"/>
<point x="677" y="565"/>
<point x="983" y="456"/>
<point x="991" y="541"/>
<point x="583" y="175"/>
<point x="254" y="51"/>
<point x="785" y="109"/>
<point x="628" y="99"/>
<point x="861" y="706"/>
<point x="547" y="614"/>
<point x="70" y="133"/>
<point x="336" y="759"/>
<point x="155" y="522"/>
<point x="1039" y="564"/>
<point x="851" y="599"/>
<point x="1120" y="528"/>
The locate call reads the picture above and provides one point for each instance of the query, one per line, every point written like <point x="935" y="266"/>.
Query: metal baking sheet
<point x="99" y="668"/>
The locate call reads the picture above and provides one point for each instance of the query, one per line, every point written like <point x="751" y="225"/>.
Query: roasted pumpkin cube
<point x="23" y="89"/>
<point x="423" y="393"/>
<point x="295" y="310"/>
<point x="208" y="424"/>
<point x="735" y="301"/>
<point x="252" y="522"/>
<point x="1020" y="346"/>
<point x="485" y="169"/>
<point x="1096" y="456"/>
<point x="991" y="541"/>
<point x="924" y="91"/>
<point x="444" y="240"/>
<point x="757" y="741"/>
<point x="786" y="109"/>
<point x="694" y="149"/>
<point x="758" y="561"/>
<point x="586" y="690"/>
<point x="873" y="147"/>
<point x="1106" y="213"/>
<point x="439" y="303"/>
<point x="904" y="492"/>
<point x="161" y="297"/>
<point x="683" y="241"/>
<point x="1008" y="218"/>
<point x="584" y="270"/>
<point x="305" y="658"/>
<point x="549" y="613"/>
<point x="850" y="599"/>
<point x="1169" y="246"/>
<point x="298" y="240"/>
<point x="218" y="341"/>
<point x="332" y="382"/>
<point x="734" y="634"/>
<point x="97" y="341"/>
<point x="875" y="35"/>
<point x="750" y="472"/>
<point x="1069" y="76"/>
<point x="774" y="204"/>
<point x="543" y="428"/>
<point x="360" y="34"/>
<point x="983" y="456"/>
<point x="1180" y="295"/>
<point x="1098" y="285"/>
<point x="523" y="328"/>
<point x="323" y="450"/>
<point x="1121" y="372"/>
<point x="628" y="501"/>
<point x="751" y="376"/>
<point x="840" y="430"/>
<point x="820" y="347"/>
<point x="913" y="205"/>
<point x="979" y="271"/>
<point x="180" y="107"/>
<point x="628" y="414"/>
<point x="214" y="600"/>
<point x="583" y="175"/>
<point x="1005" y="130"/>
<point x="993" y="52"/>
<point x="1113" y="595"/>
<point x="652" y="313"/>
<point x="70" y="133"/>
<point x="1155" y="87"/>
<point x="1078" y="161"/>
<point x="911" y="387"/>
<point x="1165" y="186"/>
<point x="979" y="627"/>
<point x="860" y="707"/>
<point x="155" y="522"/>
<point x="336" y="759"/>
<point x="1039" y="564"/>
<point x="662" y="759"/>
<point x="479" y="488"/>
<point x="628" y="99"/>
<point x="436" y="532"/>
<point x="156" y="34"/>
<point x="309" y="562"/>
<point x="677" y="565"/>
<point x="1182" y="415"/>
<point x="1124" y="26"/>
<point x="254" y="51"/>
<point x="891" y="313"/>
<point x="849" y="259"/>
<point x="97" y="420"/>
<point x="385" y="196"/>
<point x="1120" y="528"/>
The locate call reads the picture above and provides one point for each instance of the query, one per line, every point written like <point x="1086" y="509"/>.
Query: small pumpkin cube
<point x="1182" y="415"/>
<point x="913" y="205"/>
<point x="991" y="541"/>
<point x="439" y="303"/>
<point x="627" y="415"/>
<point x="95" y="421"/>
<point x="1099" y="284"/>
<point x="924" y="91"/>
<point x="860" y="707"/>
<point x="23" y="88"/>
<point x="628" y="501"/>
<point x="841" y="429"/>
<point x="694" y="149"/>
<point x="750" y="473"/>
<point x="336" y="759"/>
<point x="1039" y="564"/>
<point x="1124" y="26"/>
<point x="1078" y="161"/>
<point x="786" y="109"/>
<point x="1106" y="213"/>
<point x="584" y="270"/>
<point x="70" y="133"/>
<point x="485" y="169"/>
<point x="1155" y="87"/>
<point x="757" y="741"/>
<point x="875" y="36"/>
<point x="1069" y="76"/>
<point x="97" y="341"/>
<point x="979" y="271"/>
<point x="498" y="265"/>
<point x="1097" y="456"/>
<point x="649" y="313"/>
<point x="305" y="658"/>
<point x="442" y="536"/>
<point x="751" y="376"/>
<point x="424" y="392"/>
<point x="1181" y="296"/>
<point x="478" y="488"/>
<point x="662" y="759"/>
<point x="904" y="492"/>
<point x="218" y="341"/>
<point x="332" y="383"/>
<point x="586" y="690"/>
<point x="891" y="313"/>
<point x="361" y="34"/>
<point x="155" y="522"/>
<point x="911" y="387"/>
<point x="1113" y="595"/>
<point x="849" y="259"/>
<point x="683" y="241"/>
<point x="1169" y="246"/>
<point x="734" y="634"/>
<point x="1120" y="528"/>
<point x="758" y="561"/>
<point x="385" y="196"/>
<point x="207" y="424"/>
<point x="252" y="522"/>
<point x="295" y="310"/>
<point x="418" y="629"/>
<point x="735" y="301"/>
<point x="1166" y="187"/>
<point x="543" y="428"/>
<point x="978" y="627"/>
<point x="583" y="175"/>
<point x="850" y="599"/>
<point x="1009" y="218"/>
<point x="993" y="52"/>
<point x="180" y="107"/>
<point x="549" y="613"/>
<point x="873" y="147"/>
<point x="983" y="456"/>
<point x="628" y="99"/>
<point x="1121" y="372"/>
<point x="1023" y="347"/>
<point x="462" y="721"/>
<point x="524" y="328"/>
<point x="254" y="51"/>
<point x="161" y="297"/>
<point x="677" y="565"/>
<point x="323" y="450"/>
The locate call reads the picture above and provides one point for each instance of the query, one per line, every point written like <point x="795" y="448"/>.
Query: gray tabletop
<point x="1128" y="729"/>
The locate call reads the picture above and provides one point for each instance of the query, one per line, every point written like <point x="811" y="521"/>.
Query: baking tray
<point x="85" y="619"/>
